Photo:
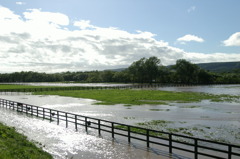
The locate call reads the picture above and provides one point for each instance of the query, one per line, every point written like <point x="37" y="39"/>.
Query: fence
<point x="62" y="88"/>
<point x="195" y="146"/>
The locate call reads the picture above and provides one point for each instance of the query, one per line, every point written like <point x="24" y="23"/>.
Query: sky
<point x="83" y="35"/>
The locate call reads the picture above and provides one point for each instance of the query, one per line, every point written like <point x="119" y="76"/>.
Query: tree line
<point x="145" y="70"/>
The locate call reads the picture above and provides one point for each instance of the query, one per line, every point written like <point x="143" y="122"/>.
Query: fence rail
<point x="196" y="146"/>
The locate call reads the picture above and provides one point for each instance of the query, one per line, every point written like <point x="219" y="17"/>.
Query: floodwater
<point x="64" y="143"/>
<point x="205" y="119"/>
<point x="71" y="84"/>
<point x="212" y="89"/>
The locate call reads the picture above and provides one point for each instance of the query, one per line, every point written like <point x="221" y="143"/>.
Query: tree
<point x="204" y="77"/>
<point x="122" y="76"/>
<point x="145" y="70"/>
<point x="107" y="76"/>
<point x="186" y="71"/>
<point x="152" y="68"/>
<point x="136" y="70"/>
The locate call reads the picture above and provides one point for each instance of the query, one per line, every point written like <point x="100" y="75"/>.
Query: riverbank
<point x="16" y="146"/>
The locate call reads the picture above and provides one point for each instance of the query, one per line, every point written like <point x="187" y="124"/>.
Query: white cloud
<point x="191" y="9"/>
<point x="7" y="14"/>
<point x="37" y="15"/>
<point x="214" y="57"/>
<point x="189" y="37"/>
<point x="20" y="3"/>
<point x="39" y="41"/>
<point x="83" y="24"/>
<point x="233" y="40"/>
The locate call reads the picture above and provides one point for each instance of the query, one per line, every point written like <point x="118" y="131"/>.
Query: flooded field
<point x="205" y="119"/>
<point x="70" y="84"/>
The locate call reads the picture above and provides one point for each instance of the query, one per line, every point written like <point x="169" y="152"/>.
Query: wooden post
<point x="76" y="122"/>
<point x="50" y="114"/>
<point x="195" y="148"/>
<point x="170" y="143"/>
<point x="99" y="127"/>
<point x="31" y="110"/>
<point x="86" y="129"/>
<point x="37" y="111"/>
<point x="58" y="117"/>
<point x="66" y="120"/>
<point x="43" y="113"/>
<point x="129" y="135"/>
<point x="229" y="151"/>
<point x="112" y="130"/>
<point x="26" y="109"/>
<point x="147" y="138"/>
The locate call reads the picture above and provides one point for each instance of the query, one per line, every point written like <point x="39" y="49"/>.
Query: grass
<point x="16" y="146"/>
<point x="15" y="86"/>
<point x="138" y="97"/>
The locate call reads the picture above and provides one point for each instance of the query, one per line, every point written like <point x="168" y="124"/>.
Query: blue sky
<point x="197" y="30"/>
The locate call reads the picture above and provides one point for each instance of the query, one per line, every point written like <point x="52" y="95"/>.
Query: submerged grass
<point x="139" y="97"/>
<point x="16" y="146"/>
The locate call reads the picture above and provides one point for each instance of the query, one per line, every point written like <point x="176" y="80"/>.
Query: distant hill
<point x="212" y="67"/>
<point x="220" y="66"/>
<point x="117" y="69"/>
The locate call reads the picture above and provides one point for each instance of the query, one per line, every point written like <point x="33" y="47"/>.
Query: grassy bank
<point x="138" y="97"/>
<point x="16" y="146"/>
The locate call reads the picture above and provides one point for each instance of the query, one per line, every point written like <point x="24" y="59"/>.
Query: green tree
<point x="107" y="76"/>
<point x="186" y="71"/>
<point x="136" y="70"/>
<point x="145" y="70"/>
<point x="152" y="68"/>
<point x="204" y="77"/>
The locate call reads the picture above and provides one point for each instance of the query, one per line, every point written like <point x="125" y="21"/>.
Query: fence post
<point x="31" y="110"/>
<point x="170" y="143"/>
<point x="112" y="130"/>
<point x="26" y="109"/>
<point x="58" y="117"/>
<point x="229" y="151"/>
<point x="195" y="148"/>
<point x="43" y="113"/>
<point x="66" y="120"/>
<point x="147" y="138"/>
<point x="76" y="122"/>
<point x="13" y="106"/>
<point x="99" y="127"/>
<point x="37" y="111"/>
<point x="50" y="114"/>
<point x="86" y="129"/>
<point x="129" y="135"/>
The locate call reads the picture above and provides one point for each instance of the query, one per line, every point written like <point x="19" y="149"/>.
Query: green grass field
<point x="15" y="86"/>
<point x="16" y="146"/>
<point x="139" y="97"/>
